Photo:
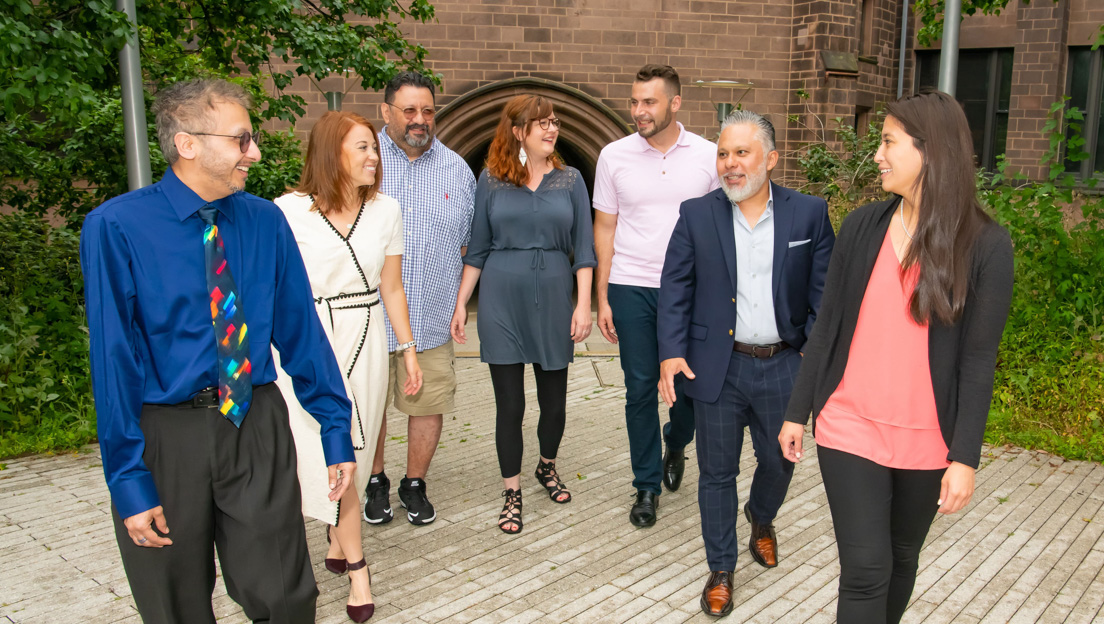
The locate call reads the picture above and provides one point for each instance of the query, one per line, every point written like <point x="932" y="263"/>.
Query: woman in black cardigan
<point x="898" y="372"/>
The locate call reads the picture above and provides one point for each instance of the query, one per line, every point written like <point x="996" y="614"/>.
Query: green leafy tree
<point x="931" y="16"/>
<point x="61" y="135"/>
<point x="62" y="151"/>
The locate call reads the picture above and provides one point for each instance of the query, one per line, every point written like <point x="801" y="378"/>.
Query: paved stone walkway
<point x="1028" y="548"/>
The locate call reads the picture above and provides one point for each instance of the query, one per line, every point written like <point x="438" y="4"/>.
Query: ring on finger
<point x="141" y="540"/>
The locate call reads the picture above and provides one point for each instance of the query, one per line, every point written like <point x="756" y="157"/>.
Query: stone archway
<point x="467" y="124"/>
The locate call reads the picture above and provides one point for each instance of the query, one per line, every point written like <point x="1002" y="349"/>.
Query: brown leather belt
<point x="760" y="351"/>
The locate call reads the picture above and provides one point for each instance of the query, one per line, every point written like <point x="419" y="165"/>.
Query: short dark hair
<point x="408" y="79"/>
<point x="667" y="73"/>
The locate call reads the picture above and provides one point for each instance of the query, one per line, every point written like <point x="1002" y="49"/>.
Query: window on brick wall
<point x="1085" y="86"/>
<point x="984" y="88"/>
<point x="866" y="28"/>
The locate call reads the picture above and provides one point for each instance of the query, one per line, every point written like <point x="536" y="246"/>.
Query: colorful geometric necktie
<point x="235" y="382"/>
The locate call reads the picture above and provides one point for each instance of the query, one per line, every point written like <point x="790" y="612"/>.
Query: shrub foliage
<point x="45" y="386"/>
<point x="1050" y="377"/>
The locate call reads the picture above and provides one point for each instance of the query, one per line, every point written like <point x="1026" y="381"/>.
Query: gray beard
<point x="751" y="187"/>
<point x="412" y="142"/>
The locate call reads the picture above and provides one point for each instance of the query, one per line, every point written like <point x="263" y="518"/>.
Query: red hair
<point x="502" y="157"/>
<point x="324" y="176"/>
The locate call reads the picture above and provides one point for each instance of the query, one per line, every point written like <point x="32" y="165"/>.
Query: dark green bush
<point x="45" y="386"/>
<point x="1050" y="377"/>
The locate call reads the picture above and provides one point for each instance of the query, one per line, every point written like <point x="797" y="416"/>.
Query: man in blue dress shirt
<point x="170" y="456"/>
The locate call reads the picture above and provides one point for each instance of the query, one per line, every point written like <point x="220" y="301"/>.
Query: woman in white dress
<point x="350" y="236"/>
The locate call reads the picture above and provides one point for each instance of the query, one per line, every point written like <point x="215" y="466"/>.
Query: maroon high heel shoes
<point x="337" y="566"/>
<point x="360" y="613"/>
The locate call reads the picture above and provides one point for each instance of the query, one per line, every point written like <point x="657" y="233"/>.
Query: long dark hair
<point x="950" y="216"/>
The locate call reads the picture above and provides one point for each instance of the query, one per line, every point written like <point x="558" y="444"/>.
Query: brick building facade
<point x="808" y="62"/>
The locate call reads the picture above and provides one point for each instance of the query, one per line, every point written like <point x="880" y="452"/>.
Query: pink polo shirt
<point x="644" y="188"/>
<point x="884" y="407"/>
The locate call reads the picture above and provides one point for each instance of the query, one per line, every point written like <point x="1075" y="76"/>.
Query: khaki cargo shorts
<point x="438" y="392"/>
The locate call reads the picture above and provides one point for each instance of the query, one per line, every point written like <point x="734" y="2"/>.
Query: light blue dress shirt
<point x="755" y="322"/>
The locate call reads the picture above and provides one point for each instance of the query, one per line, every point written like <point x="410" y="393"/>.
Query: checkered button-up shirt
<point x="436" y="192"/>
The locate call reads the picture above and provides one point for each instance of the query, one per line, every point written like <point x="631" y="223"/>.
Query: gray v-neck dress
<point x="523" y="241"/>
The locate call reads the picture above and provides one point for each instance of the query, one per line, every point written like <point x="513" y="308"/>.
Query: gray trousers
<point x="234" y="489"/>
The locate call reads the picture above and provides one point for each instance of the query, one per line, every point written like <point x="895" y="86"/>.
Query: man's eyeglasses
<point x="244" y="139"/>
<point x="544" y="123"/>
<point x="410" y="112"/>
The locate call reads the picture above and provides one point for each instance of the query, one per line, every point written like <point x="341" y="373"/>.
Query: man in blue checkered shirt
<point x="436" y="190"/>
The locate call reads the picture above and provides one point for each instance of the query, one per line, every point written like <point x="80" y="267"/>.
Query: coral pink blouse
<point x="884" y="407"/>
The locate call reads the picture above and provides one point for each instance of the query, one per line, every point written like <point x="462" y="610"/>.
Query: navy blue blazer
<point x="697" y="295"/>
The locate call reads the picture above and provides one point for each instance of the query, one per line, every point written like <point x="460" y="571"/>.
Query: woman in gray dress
<point x="531" y="214"/>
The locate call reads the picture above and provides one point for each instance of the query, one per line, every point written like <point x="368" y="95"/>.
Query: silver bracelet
<point x="404" y="346"/>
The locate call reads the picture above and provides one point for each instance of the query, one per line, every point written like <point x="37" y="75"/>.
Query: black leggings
<point x="881" y="517"/>
<point x="509" y="388"/>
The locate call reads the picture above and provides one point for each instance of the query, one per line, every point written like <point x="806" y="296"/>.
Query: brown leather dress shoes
<point x="716" y="598"/>
<point x="764" y="543"/>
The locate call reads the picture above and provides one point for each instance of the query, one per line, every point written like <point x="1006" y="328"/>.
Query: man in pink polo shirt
<point x="640" y="183"/>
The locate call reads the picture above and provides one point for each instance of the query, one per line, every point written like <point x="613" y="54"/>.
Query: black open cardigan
<point x="961" y="356"/>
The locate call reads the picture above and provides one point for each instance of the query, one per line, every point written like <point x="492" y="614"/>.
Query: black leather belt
<point x="760" y="351"/>
<point x="207" y="397"/>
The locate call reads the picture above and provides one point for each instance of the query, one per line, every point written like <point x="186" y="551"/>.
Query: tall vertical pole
<point x="134" y="105"/>
<point x="948" y="56"/>
<point x="904" y="47"/>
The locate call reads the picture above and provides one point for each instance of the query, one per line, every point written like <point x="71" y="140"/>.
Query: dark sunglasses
<point x="244" y="139"/>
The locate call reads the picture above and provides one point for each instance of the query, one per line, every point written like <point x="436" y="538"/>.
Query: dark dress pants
<point x="754" y="395"/>
<point x="634" y="315"/>
<point x="881" y="516"/>
<point x="234" y="489"/>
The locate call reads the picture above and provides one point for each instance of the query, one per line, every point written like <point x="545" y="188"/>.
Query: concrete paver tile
<point x="1029" y="547"/>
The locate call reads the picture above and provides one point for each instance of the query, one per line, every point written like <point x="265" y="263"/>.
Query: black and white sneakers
<point x="412" y="496"/>
<point x="377" y="500"/>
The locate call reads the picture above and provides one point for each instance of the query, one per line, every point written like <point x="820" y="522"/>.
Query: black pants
<point x="234" y="489"/>
<point x="881" y="517"/>
<point x="509" y="388"/>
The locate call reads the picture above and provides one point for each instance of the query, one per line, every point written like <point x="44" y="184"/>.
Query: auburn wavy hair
<point x="502" y="157"/>
<point x="324" y="176"/>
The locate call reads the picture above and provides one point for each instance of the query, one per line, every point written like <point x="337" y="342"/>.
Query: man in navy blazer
<point x="741" y="285"/>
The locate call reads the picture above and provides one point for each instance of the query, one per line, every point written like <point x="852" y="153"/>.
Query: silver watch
<point x="404" y="346"/>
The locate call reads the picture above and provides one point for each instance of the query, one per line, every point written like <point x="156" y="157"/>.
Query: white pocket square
<point x="799" y="243"/>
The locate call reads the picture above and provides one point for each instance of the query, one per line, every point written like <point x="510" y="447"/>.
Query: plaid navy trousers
<point x="754" y="395"/>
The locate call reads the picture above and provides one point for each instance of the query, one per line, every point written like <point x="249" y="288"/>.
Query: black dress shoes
<point x="643" y="513"/>
<point x="674" y="464"/>
<point x="716" y="598"/>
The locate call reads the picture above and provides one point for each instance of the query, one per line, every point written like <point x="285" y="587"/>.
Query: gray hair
<point x="766" y="128"/>
<point x="184" y="106"/>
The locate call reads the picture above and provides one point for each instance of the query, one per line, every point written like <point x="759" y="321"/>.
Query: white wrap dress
<point x="344" y="272"/>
